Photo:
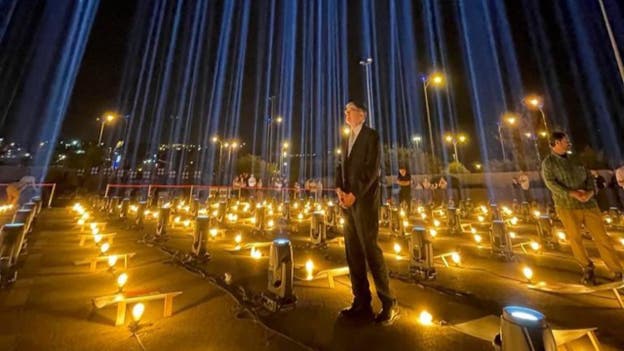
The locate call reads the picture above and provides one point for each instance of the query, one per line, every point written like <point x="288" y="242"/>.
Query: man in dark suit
<point x="357" y="187"/>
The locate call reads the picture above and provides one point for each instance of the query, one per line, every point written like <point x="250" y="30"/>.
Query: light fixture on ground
<point x="425" y="318"/>
<point x="280" y="295"/>
<point x="524" y="329"/>
<point x="122" y="279"/>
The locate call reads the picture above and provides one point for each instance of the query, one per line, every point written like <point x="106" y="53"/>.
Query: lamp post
<point x="455" y="139"/>
<point x="510" y="119"/>
<point x="108" y="118"/>
<point x="437" y="79"/>
<point x="369" y="89"/>
<point x="532" y="137"/>
<point x="536" y="102"/>
<point x="283" y="155"/>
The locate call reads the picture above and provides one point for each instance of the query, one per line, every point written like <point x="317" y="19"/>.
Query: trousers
<point x="361" y="230"/>
<point x="591" y="218"/>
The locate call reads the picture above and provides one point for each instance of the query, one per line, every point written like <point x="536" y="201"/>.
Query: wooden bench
<point x="108" y="237"/>
<point x="487" y="327"/>
<point x="578" y="289"/>
<point x="100" y="225"/>
<point x="444" y="257"/>
<point x="93" y="261"/>
<point x="564" y="337"/>
<point x="330" y="274"/>
<point x="249" y="246"/>
<point x="122" y="301"/>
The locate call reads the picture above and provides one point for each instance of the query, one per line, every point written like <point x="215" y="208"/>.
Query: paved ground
<point x="49" y="308"/>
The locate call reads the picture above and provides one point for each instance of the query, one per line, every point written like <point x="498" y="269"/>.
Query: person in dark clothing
<point x="357" y="188"/>
<point x="600" y="183"/>
<point x="404" y="180"/>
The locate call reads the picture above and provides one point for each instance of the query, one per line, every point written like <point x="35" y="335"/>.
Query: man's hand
<point x="348" y="199"/>
<point x="587" y="195"/>
<point x="340" y="195"/>
<point x="581" y="195"/>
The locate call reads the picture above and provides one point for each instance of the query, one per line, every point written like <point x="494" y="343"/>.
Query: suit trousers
<point x="361" y="229"/>
<point x="591" y="218"/>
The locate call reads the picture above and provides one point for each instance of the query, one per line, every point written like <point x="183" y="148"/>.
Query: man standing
<point x="357" y="187"/>
<point x="404" y="180"/>
<point x="572" y="189"/>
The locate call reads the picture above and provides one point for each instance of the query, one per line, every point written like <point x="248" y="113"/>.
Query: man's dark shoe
<point x="589" y="277"/>
<point x="358" y="312"/>
<point x="388" y="315"/>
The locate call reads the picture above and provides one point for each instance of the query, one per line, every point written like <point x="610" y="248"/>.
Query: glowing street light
<point x="106" y="119"/>
<point x="109" y="118"/>
<point x="510" y="119"/>
<point x="455" y="139"/>
<point x="535" y="102"/>
<point x="437" y="80"/>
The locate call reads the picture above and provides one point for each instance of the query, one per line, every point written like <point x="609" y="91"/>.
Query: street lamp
<point x="369" y="89"/>
<point x="510" y="119"/>
<point x="108" y="118"/>
<point x="416" y="139"/>
<point x="455" y="139"/>
<point x="436" y="79"/>
<point x="536" y="102"/>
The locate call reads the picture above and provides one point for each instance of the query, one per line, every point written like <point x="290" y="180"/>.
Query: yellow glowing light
<point x="622" y="241"/>
<point x="255" y="253"/>
<point x="187" y="223"/>
<point x="346" y="131"/>
<point x="535" y="245"/>
<point x="405" y="224"/>
<point x="300" y="216"/>
<point x="81" y="221"/>
<point x="309" y="266"/>
<point x="608" y="220"/>
<point x="481" y="218"/>
<point x="397" y="248"/>
<point x="473" y="230"/>
<point x="177" y="220"/>
<point x="213" y="232"/>
<point x="253" y="220"/>
<point x="97" y="238"/>
<point x="512" y="235"/>
<point x="561" y="235"/>
<point x="477" y="238"/>
<point x="527" y="272"/>
<point x="433" y="232"/>
<point x="456" y="258"/>
<point x="425" y="318"/>
<point x="122" y="279"/>
<point x="537" y="214"/>
<point x="270" y="223"/>
<point x="513" y="220"/>
<point x="238" y="238"/>
<point x="423" y="215"/>
<point x="137" y="311"/>
<point x="436" y="223"/>
<point x="112" y="260"/>
<point x="341" y="221"/>
<point x="104" y="247"/>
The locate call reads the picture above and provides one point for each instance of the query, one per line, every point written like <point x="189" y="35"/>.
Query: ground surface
<point x="50" y="308"/>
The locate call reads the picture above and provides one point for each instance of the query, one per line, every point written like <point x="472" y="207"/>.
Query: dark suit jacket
<point x="358" y="173"/>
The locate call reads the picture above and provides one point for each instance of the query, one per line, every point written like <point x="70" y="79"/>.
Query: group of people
<point x="426" y="191"/>
<point x="357" y="185"/>
<point x="248" y="183"/>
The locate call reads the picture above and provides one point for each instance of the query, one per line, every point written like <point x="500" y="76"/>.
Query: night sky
<point x="98" y="85"/>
